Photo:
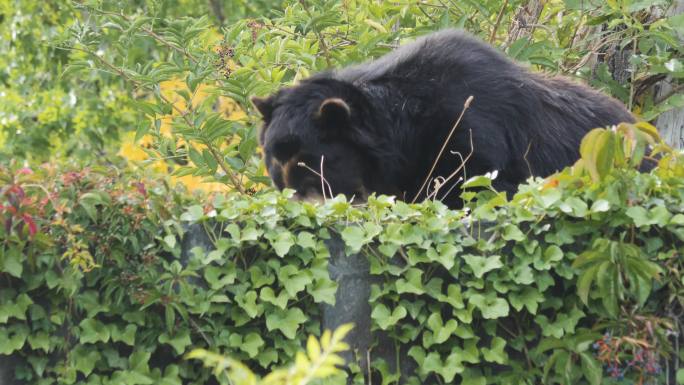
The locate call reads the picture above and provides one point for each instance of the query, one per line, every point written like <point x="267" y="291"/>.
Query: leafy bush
<point x="579" y="272"/>
<point x="255" y="56"/>
<point x="575" y="280"/>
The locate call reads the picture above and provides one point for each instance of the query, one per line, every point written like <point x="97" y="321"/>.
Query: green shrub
<point x="577" y="272"/>
<point x="256" y="56"/>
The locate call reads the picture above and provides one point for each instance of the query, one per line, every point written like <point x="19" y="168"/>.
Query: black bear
<point x="380" y="126"/>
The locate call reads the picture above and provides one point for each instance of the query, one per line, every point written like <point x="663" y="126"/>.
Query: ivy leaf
<point x="127" y="335"/>
<point x="354" y="237"/>
<point x="512" y="233"/>
<point x="445" y="254"/>
<point x="179" y="341"/>
<point x="16" y="307"/>
<point x="658" y="215"/>
<point x="193" y="214"/>
<point x="12" y="338"/>
<point x="323" y="291"/>
<point x="481" y="265"/>
<point x="411" y="282"/>
<point x="12" y="262"/>
<point x="441" y="331"/>
<point x="528" y="297"/>
<point x="93" y="331"/>
<point x="85" y="359"/>
<point x="496" y="352"/>
<point x="384" y="318"/>
<point x="282" y="243"/>
<point x="251" y="344"/>
<point x="294" y="280"/>
<point x="248" y="303"/>
<point x="39" y="340"/>
<point x="490" y="306"/>
<point x="287" y="321"/>
<point x="267" y="294"/>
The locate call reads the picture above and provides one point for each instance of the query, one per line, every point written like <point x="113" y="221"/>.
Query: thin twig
<point x="466" y="105"/>
<point x="459" y="168"/>
<point x="323" y="180"/>
<point x="527" y="152"/>
<point x="462" y="178"/>
<point x="498" y="21"/>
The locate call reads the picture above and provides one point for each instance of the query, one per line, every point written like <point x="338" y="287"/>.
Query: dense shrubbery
<point x="576" y="280"/>
<point x="254" y="56"/>
<point x="577" y="274"/>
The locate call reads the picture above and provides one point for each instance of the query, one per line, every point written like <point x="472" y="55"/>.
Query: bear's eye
<point x="284" y="149"/>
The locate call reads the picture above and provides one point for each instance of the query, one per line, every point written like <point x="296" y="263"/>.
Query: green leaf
<point x="528" y="297"/>
<point x="489" y="305"/>
<point x="481" y="265"/>
<point x="180" y="340"/>
<point x="193" y="214"/>
<point x="251" y="344"/>
<point x="282" y="243"/>
<point x="384" y="318"/>
<point x="354" y="237"/>
<point x="93" y="331"/>
<point x="600" y="206"/>
<point x="411" y="282"/>
<point x="323" y="291"/>
<point x="680" y="376"/>
<point x="267" y="294"/>
<point x="294" y="280"/>
<point x="248" y="303"/>
<point x="16" y="306"/>
<point x="12" y="262"/>
<point x="39" y="340"/>
<point x="496" y="352"/>
<point x="85" y="359"/>
<point x="592" y="370"/>
<point x="127" y="335"/>
<point x="287" y="321"/>
<point x="441" y="331"/>
<point x="12" y="338"/>
<point x="584" y="282"/>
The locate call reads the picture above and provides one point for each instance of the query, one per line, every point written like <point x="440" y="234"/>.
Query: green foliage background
<point x="552" y="287"/>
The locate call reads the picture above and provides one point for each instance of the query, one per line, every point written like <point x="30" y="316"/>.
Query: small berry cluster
<point x="255" y="26"/>
<point x="612" y="352"/>
<point x="225" y="53"/>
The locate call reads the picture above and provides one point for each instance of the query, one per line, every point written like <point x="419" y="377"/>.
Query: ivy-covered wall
<point x="577" y="279"/>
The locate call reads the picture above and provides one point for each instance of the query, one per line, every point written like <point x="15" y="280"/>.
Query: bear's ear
<point x="264" y="106"/>
<point x="334" y="113"/>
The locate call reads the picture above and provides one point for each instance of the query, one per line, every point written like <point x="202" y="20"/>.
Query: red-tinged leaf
<point x="33" y="228"/>
<point x="141" y="188"/>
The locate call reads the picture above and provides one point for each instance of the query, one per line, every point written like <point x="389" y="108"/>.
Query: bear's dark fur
<point x="379" y="126"/>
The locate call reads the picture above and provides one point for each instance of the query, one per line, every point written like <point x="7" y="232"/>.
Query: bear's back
<point x="429" y="56"/>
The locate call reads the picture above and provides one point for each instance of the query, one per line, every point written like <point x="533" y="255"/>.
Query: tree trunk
<point x="671" y="123"/>
<point x="525" y="20"/>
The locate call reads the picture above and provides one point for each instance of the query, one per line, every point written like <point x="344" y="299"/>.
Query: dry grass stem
<point x="466" y="105"/>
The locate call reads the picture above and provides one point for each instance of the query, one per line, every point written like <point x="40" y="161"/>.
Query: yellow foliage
<point x="169" y="89"/>
<point x="319" y="362"/>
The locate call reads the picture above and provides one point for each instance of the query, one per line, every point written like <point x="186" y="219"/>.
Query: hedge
<point x="574" y="280"/>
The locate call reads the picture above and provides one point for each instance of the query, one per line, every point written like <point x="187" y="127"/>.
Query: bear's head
<point x="315" y="139"/>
